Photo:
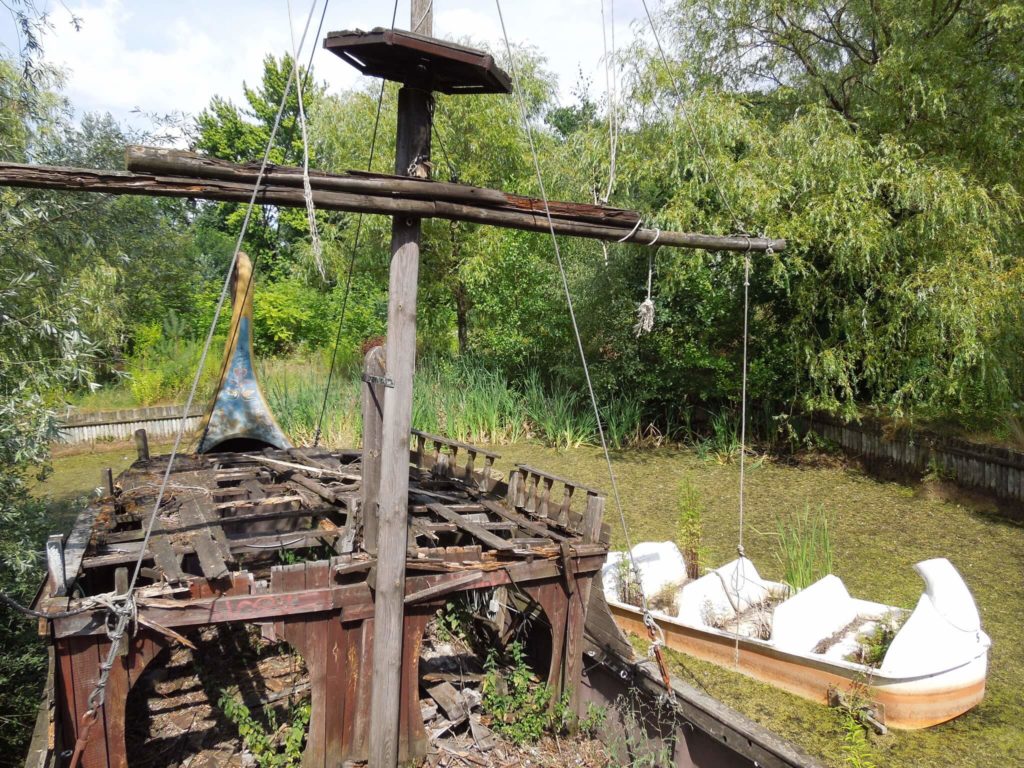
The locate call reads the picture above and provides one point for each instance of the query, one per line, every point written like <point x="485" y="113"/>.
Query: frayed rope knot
<point x="644" y="317"/>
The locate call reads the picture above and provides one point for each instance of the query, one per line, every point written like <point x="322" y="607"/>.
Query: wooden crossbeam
<point x="523" y="213"/>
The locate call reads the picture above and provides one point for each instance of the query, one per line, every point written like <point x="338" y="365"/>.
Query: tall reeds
<point x="805" y="547"/>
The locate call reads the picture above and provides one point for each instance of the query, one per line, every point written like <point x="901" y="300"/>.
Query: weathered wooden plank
<point x="321" y="490"/>
<point x="258" y="607"/>
<point x="85" y="659"/>
<point x="172" y="162"/>
<point x="88" y="180"/>
<point x="163" y="556"/>
<point x="473" y="529"/>
<point x="318" y="660"/>
<point x="128" y="552"/>
<point x="372" y="400"/>
<point x="412" y="145"/>
<point x="524" y="522"/>
<point x="213" y="552"/>
<point x="449" y="700"/>
<point x="460" y="581"/>
<point x="78" y="542"/>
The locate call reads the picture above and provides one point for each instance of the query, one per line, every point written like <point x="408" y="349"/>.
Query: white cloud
<point x="163" y="57"/>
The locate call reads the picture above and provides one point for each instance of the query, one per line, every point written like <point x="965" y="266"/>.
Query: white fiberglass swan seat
<point x="922" y="667"/>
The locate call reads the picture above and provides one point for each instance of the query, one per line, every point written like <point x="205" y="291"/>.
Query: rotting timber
<point x="213" y="560"/>
<point x="225" y="522"/>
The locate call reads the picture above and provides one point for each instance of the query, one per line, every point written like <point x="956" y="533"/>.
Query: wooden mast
<point x="412" y="150"/>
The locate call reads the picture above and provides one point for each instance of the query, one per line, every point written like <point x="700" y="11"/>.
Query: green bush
<point x="519" y="703"/>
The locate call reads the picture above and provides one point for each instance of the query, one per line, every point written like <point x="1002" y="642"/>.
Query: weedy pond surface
<point x="878" y="531"/>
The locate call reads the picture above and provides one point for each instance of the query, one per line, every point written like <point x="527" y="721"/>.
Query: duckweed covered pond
<point x="878" y="530"/>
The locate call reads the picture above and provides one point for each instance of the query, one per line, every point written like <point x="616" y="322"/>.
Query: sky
<point x="174" y="55"/>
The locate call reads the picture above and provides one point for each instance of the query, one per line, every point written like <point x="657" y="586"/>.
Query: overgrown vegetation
<point x="690" y="528"/>
<point x="882" y="141"/>
<point x="271" y="744"/>
<point x="805" y="547"/>
<point x="874" y="644"/>
<point x="519" y="703"/>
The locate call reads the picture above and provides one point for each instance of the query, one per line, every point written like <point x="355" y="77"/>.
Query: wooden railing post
<point x="142" y="444"/>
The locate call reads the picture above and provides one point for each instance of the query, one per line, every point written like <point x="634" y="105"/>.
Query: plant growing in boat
<point x="664" y="599"/>
<point x="805" y="547"/>
<point x="873" y="644"/>
<point x="690" y="528"/>
<point x="627" y="584"/>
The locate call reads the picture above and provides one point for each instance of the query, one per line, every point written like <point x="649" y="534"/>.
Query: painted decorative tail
<point x="240" y="419"/>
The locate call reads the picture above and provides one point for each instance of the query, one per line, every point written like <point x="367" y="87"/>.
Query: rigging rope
<point x="645" y="312"/>
<point x="351" y="261"/>
<point x="611" y="90"/>
<point x="743" y="395"/>
<point x="649" y="621"/>
<point x="123" y="606"/>
<point x="307" y="189"/>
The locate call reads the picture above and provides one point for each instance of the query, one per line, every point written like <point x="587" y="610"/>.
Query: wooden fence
<point x="992" y="469"/>
<point x="158" y="421"/>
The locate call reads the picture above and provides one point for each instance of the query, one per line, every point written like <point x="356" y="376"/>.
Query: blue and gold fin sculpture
<point x="240" y="419"/>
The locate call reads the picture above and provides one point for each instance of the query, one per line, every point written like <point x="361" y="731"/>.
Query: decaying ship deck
<point x="228" y="521"/>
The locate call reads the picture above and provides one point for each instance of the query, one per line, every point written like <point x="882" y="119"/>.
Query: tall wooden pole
<point x="412" y="149"/>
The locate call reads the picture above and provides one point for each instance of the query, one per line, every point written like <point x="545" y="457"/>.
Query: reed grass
<point x="461" y="398"/>
<point x="722" y="442"/>
<point x="295" y="393"/>
<point x="561" y="417"/>
<point x="805" y="547"/>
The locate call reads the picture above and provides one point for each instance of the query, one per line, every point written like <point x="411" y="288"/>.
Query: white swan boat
<point x="921" y="667"/>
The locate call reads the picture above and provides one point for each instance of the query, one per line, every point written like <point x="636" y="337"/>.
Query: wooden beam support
<point x="142" y="444"/>
<point x="226" y="608"/>
<point x="412" y="150"/>
<point x="529" y="217"/>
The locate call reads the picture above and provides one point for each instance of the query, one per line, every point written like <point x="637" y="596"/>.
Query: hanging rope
<point x="307" y="190"/>
<point x="657" y="638"/>
<point x="123" y="609"/>
<point x="743" y="396"/>
<point x="351" y="261"/>
<point x="645" y="312"/>
<point x="739" y="574"/>
<point x="611" y="92"/>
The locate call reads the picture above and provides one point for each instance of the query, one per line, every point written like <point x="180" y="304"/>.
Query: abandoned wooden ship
<point x="531" y="544"/>
<point x="346" y="555"/>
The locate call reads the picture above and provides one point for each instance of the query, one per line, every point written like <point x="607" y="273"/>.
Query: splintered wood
<point x="273" y="540"/>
